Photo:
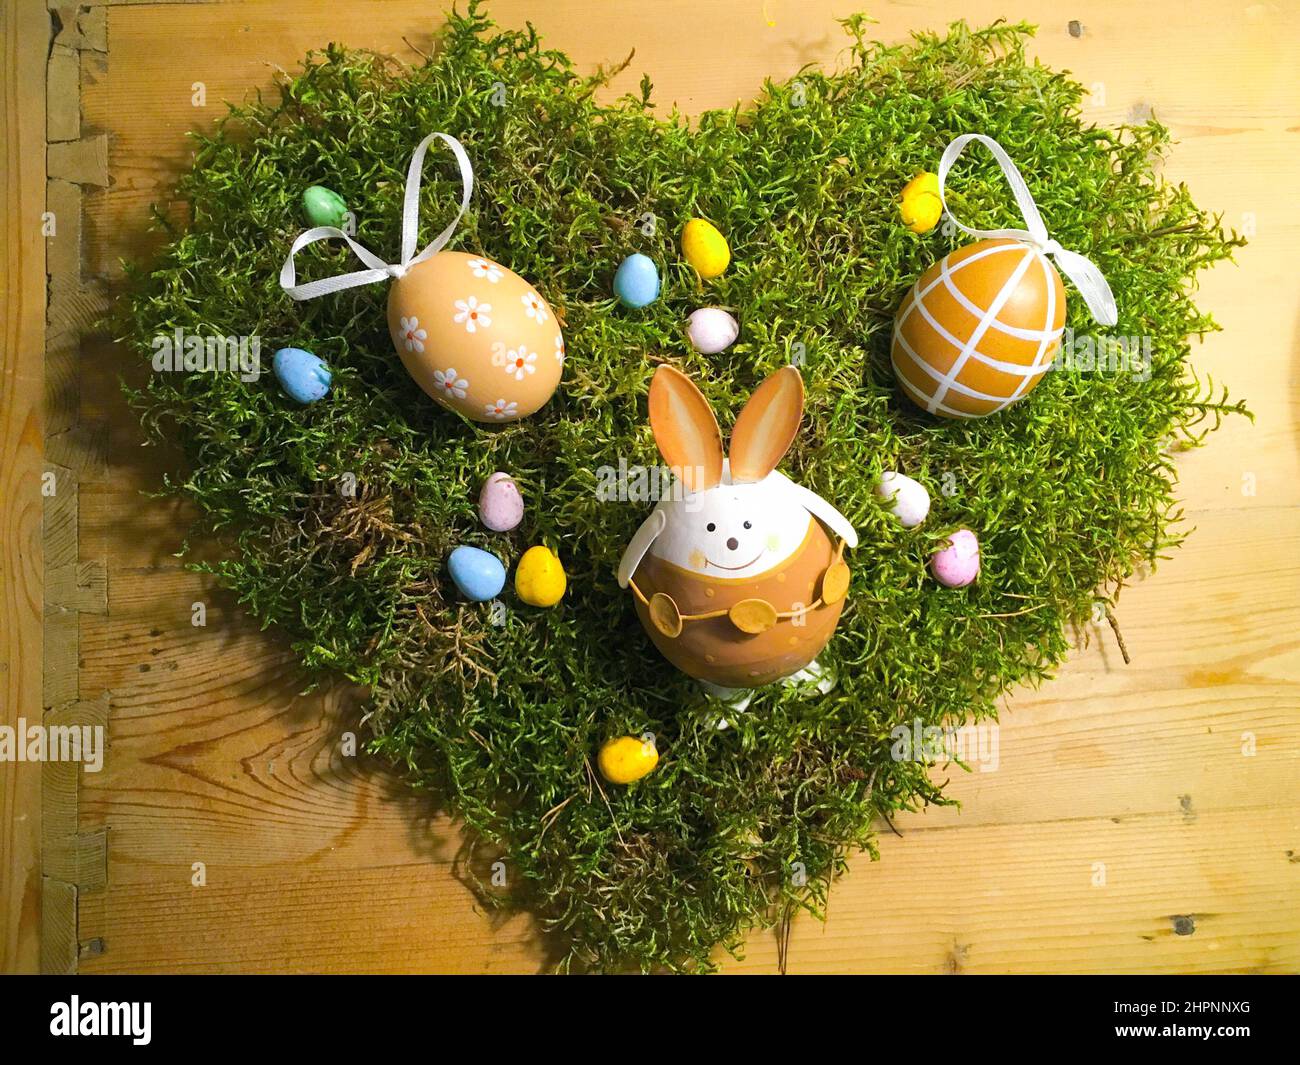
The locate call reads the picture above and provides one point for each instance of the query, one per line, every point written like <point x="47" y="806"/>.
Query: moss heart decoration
<point x="502" y="712"/>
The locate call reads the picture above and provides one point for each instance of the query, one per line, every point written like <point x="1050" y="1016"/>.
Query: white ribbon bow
<point x="1081" y="270"/>
<point x="380" y="270"/>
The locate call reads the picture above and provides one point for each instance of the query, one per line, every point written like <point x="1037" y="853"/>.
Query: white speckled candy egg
<point x="712" y="330"/>
<point x="476" y="336"/>
<point x="907" y="499"/>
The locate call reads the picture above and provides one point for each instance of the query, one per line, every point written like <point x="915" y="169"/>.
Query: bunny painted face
<point x="733" y="530"/>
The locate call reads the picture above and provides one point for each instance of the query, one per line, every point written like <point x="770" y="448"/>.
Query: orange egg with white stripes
<point x="979" y="329"/>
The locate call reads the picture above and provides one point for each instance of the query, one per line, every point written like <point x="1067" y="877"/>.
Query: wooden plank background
<point x="22" y="433"/>
<point x="1141" y="818"/>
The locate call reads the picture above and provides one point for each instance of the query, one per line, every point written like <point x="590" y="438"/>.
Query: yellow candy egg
<point x="626" y="758"/>
<point x="705" y="248"/>
<point x="921" y="207"/>
<point x="539" y="577"/>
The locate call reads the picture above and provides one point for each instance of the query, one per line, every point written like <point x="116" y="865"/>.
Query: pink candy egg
<point x="500" y="506"/>
<point x="956" y="565"/>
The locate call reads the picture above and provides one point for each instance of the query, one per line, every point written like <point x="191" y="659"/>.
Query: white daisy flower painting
<point x="521" y="362"/>
<point x="413" y="337"/>
<point x="485" y="270"/>
<point x="501" y="410"/>
<point x="450" y="383"/>
<point x="473" y="314"/>
<point x="534" y="307"/>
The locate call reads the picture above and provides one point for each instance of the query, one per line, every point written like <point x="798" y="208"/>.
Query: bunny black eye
<point x="748" y="526"/>
<point x="711" y="527"/>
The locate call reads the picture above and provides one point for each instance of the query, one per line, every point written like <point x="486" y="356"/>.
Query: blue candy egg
<point x="477" y="574"/>
<point x="301" y="374"/>
<point x="637" y="281"/>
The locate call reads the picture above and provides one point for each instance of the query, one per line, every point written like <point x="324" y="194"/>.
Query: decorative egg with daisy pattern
<point x="476" y="336"/>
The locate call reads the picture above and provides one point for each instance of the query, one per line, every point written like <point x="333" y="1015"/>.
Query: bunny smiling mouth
<point x="717" y="565"/>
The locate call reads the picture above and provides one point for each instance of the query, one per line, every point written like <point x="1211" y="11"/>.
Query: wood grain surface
<point x="1141" y="818"/>
<point x="22" y="432"/>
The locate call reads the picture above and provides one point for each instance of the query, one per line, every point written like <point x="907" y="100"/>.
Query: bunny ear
<point x="766" y="427"/>
<point x="685" y="429"/>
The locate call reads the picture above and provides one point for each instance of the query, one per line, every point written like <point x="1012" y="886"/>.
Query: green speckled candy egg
<point x="324" y="207"/>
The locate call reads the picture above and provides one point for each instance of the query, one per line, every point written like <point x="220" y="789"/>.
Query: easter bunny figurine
<point x="735" y="577"/>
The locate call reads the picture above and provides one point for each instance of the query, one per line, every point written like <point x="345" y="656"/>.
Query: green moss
<point x="1068" y="491"/>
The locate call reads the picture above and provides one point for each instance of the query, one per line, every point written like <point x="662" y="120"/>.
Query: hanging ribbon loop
<point x="1082" y="271"/>
<point x="380" y="270"/>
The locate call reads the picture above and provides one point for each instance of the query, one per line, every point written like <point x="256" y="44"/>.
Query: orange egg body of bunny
<point x="712" y="648"/>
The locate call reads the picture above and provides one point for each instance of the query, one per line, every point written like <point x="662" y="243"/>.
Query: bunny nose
<point x="732" y="543"/>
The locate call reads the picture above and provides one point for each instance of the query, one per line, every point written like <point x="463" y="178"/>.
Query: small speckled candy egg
<point x="712" y="330"/>
<point x="500" y="506"/>
<point x="907" y="499"/>
<point x="302" y="375"/>
<point x="627" y="758"/>
<point x="324" y="207"/>
<point x="956" y="565"/>
<point x="478" y="575"/>
<point x="476" y="336"/>
<point x="705" y="248"/>
<point x="539" y="577"/>
<point x="636" y="282"/>
<point x="920" y="205"/>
